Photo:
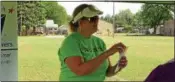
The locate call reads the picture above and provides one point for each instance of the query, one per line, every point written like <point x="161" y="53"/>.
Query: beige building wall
<point x="168" y="29"/>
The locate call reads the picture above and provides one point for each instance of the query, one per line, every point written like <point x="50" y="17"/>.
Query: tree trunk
<point x="26" y="31"/>
<point x="154" y="30"/>
<point x="34" y="30"/>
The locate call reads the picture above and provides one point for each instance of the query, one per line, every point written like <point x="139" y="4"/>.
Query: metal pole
<point x="113" y="19"/>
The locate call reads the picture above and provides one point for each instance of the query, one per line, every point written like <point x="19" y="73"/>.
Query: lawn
<point x="38" y="59"/>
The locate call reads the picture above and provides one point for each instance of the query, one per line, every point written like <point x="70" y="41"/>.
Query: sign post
<point x="9" y="47"/>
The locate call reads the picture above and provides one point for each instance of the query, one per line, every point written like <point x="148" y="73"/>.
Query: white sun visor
<point x="90" y="11"/>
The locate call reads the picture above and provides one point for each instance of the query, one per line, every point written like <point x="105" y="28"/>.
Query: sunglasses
<point x="91" y="19"/>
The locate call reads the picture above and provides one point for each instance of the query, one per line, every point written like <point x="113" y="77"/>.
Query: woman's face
<point x="89" y="24"/>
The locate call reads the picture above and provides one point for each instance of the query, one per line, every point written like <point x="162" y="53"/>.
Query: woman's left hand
<point x="123" y="62"/>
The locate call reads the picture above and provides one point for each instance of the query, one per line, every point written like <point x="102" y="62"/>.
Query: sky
<point x="106" y="7"/>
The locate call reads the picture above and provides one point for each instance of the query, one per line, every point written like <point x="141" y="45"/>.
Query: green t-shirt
<point x="88" y="48"/>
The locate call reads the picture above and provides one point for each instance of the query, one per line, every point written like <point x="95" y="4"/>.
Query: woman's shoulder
<point x="99" y="41"/>
<point x="97" y="38"/>
<point x="69" y="39"/>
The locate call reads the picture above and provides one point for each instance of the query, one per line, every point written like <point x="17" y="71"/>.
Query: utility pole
<point x="113" y="19"/>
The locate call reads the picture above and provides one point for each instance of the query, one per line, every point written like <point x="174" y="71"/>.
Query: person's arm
<point x="111" y="69"/>
<point x="76" y="64"/>
<point x="83" y="68"/>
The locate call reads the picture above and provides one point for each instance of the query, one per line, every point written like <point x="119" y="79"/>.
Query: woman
<point x="83" y="56"/>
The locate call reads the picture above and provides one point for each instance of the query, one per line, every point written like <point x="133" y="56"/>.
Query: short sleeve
<point x="69" y="48"/>
<point x="102" y="43"/>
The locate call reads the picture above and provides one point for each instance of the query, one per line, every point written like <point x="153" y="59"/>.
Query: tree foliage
<point x="153" y="15"/>
<point x="56" y="12"/>
<point x="150" y="15"/>
<point x="125" y="19"/>
<point x="32" y="14"/>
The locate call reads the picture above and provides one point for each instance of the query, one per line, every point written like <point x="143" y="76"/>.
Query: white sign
<point x="9" y="63"/>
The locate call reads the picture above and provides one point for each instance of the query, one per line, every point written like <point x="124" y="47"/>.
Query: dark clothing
<point x="163" y="73"/>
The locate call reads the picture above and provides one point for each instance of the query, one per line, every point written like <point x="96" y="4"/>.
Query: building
<point x="63" y="30"/>
<point x="167" y="29"/>
<point x="51" y="28"/>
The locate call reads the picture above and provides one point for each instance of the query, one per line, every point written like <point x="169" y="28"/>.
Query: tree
<point x="69" y="18"/>
<point x="21" y="9"/>
<point x="125" y="18"/>
<point x="153" y="14"/>
<point x="137" y="20"/>
<point x="172" y="8"/>
<point x="108" y="18"/>
<point x="40" y="14"/>
<point x="30" y="15"/>
<point x="56" y="12"/>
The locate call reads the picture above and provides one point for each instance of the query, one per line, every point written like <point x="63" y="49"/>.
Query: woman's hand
<point x="111" y="70"/>
<point x="116" y="48"/>
<point x="123" y="62"/>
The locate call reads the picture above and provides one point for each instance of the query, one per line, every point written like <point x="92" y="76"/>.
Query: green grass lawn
<point x="38" y="59"/>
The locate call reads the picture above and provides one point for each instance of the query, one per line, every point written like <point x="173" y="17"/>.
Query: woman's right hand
<point x="118" y="47"/>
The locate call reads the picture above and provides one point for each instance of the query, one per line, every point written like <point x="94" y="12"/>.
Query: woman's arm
<point x="79" y="67"/>
<point x="111" y="69"/>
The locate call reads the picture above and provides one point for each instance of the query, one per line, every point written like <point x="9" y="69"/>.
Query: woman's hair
<point x="74" y="26"/>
